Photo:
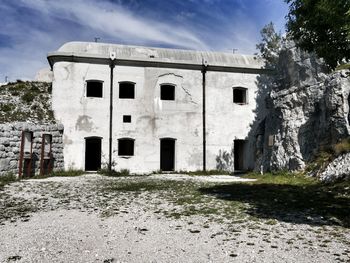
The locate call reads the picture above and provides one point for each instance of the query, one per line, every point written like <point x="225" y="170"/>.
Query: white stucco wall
<point x="152" y="118"/>
<point x="228" y="121"/>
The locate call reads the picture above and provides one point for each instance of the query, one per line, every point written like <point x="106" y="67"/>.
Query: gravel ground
<point x="81" y="219"/>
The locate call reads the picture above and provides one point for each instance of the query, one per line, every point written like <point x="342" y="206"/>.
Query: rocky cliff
<point x="306" y="110"/>
<point x="28" y="101"/>
<point x="26" y="107"/>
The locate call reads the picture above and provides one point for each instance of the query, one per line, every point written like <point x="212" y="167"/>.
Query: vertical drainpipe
<point x="111" y="65"/>
<point x="204" y="71"/>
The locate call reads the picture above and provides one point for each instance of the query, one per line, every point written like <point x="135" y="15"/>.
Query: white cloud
<point x="60" y="21"/>
<point x="116" y="21"/>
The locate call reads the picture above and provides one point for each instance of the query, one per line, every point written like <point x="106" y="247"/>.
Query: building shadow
<point x="313" y="204"/>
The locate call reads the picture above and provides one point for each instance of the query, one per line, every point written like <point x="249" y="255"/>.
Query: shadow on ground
<point x="312" y="204"/>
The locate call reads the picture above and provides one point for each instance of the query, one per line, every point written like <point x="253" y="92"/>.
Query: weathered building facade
<point x="148" y="109"/>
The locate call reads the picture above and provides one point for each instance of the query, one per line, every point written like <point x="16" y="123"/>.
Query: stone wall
<point x="10" y="145"/>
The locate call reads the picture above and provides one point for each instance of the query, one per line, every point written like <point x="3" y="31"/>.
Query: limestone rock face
<point x="306" y="110"/>
<point x="339" y="169"/>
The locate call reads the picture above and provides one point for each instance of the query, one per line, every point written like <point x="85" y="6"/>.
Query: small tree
<point x="322" y="26"/>
<point x="270" y="45"/>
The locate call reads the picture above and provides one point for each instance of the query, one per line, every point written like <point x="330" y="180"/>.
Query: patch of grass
<point x="290" y="198"/>
<point x="68" y="173"/>
<point x="343" y="66"/>
<point x="138" y="186"/>
<point x="209" y="172"/>
<point x="328" y="154"/>
<point x="280" y="178"/>
<point x="113" y="173"/>
<point x="342" y="147"/>
<point x="6" y="179"/>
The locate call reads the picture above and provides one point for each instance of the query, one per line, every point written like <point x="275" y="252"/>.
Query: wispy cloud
<point x="31" y="28"/>
<point x="114" y="20"/>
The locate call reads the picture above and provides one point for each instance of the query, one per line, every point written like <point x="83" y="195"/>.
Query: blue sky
<point x="29" y="29"/>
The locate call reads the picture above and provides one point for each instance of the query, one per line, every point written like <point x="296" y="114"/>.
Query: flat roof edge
<point x="59" y="56"/>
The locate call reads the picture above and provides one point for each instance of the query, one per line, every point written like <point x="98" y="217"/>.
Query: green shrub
<point x="35" y="88"/>
<point x="6" y="107"/>
<point x="49" y="89"/>
<point x="20" y="86"/>
<point x="28" y="97"/>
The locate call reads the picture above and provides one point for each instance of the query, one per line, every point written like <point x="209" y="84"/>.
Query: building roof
<point x="91" y="52"/>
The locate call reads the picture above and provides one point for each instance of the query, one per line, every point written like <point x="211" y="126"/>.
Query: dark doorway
<point x="167" y="154"/>
<point x="92" y="154"/>
<point x="239" y="146"/>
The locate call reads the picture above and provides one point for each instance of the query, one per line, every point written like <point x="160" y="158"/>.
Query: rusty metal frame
<point x="42" y="153"/>
<point x="21" y="156"/>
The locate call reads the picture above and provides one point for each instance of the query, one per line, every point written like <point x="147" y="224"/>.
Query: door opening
<point x="167" y="154"/>
<point x="239" y="146"/>
<point x="92" y="154"/>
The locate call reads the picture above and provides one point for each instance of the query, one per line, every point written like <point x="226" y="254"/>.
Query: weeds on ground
<point x="194" y="173"/>
<point x="68" y="173"/>
<point x="113" y="173"/>
<point x="209" y="172"/>
<point x="327" y="155"/>
<point x="281" y="196"/>
<point x="6" y="179"/>
<point x="342" y="147"/>
<point x="289" y="197"/>
<point x="281" y="177"/>
<point x="343" y="66"/>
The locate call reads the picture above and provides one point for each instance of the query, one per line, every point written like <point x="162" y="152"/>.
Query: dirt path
<point x="99" y="219"/>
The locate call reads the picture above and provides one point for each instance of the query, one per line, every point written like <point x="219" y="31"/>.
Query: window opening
<point x="125" y="147"/>
<point x="240" y="95"/>
<point x="94" y="89"/>
<point x="127" y="118"/>
<point x="126" y="90"/>
<point x="167" y="92"/>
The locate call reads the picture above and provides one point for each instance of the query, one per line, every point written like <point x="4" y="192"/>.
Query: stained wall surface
<point x="152" y="118"/>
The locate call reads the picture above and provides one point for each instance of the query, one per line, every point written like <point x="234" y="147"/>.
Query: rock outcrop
<point x="338" y="169"/>
<point x="26" y="101"/>
<point x="307" y="110"/>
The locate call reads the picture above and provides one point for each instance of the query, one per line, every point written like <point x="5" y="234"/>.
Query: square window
<point x="125" y="147"/>
<point x="94" y="89"/>
<point x="127" y="118"/>
<point x="167" y="92"/>
<point x="240" y="95"/>
<point x="126" y="90"/>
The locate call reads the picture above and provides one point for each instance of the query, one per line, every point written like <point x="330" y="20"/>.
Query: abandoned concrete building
<point x="149" y="109"/>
